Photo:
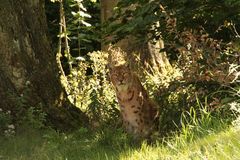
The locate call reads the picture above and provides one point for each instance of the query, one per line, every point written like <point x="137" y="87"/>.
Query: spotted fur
<point x="137" y="110"/>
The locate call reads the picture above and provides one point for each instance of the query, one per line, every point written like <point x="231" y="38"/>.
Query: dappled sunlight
<point x="176" y="97"/>
<point x="106" y="144"/>
<point x="222" y="145"/>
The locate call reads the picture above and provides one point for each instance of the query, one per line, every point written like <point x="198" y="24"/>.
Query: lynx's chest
<point x="131" y="109"/>
<point x="131" y="106"/>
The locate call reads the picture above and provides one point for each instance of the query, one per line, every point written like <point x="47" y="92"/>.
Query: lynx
<point x="137" y="110"/>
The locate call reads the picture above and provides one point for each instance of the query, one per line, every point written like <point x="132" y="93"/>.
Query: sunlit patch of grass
<point x="215" y="141"/>
<point x="224" y="145"/>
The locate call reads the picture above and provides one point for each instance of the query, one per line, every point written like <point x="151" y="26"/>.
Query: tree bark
<point x="150" y="53"/>
<point x="28" y="71"/>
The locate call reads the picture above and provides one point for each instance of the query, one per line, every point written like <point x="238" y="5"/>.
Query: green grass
<point x="114" y="145"/>
<point x="224" y="145"/>
<point x="203" y="136"/>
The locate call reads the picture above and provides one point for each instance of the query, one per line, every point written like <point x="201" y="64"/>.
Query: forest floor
<point x="47" y="144"/>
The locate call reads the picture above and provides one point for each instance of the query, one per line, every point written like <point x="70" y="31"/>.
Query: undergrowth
<point x="195" y="121"/>
<point x="208" y="137"/>
<point x="202" y="135"/>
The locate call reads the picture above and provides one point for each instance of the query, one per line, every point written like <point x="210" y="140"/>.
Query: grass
<point x="203" y="136"/>
<point x="114" y="145"/>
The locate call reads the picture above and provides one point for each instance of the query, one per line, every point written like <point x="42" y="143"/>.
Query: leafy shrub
<point x="201" y="63"/>
<point x="6" y="126"/>
<point x="232" y="101"/>
<point x="12" y="119"/>
<point x="34" y="117"/>
<point x="91" y="90"/>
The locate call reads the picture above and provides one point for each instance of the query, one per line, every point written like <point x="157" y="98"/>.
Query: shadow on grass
<point x="52" y="145"/>
<point x="106" y="144"/>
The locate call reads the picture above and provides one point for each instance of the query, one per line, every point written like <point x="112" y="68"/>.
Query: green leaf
<point x="227" y="100"/>
<point x="85" y="23"/>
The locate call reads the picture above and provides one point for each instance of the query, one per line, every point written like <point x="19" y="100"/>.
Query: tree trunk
<point x="28" y="71"/>
<point x="150" y="54"/>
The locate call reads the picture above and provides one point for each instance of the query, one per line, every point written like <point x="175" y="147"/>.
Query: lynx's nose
<point x="121" y="81"/>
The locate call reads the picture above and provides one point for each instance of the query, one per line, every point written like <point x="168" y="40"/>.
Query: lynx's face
<point x="121" y="77"/>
